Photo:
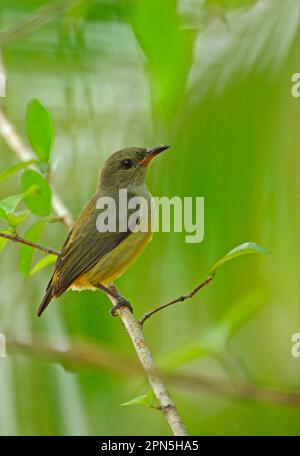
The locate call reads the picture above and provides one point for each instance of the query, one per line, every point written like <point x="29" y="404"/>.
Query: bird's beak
<point x="151" y="153"/>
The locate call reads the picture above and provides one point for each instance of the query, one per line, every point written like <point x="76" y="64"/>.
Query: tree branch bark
<point x="167" y="406"/>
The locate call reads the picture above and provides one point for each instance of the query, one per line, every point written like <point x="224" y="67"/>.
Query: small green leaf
<point x="15" y="219"/>
<point x="243" y="249"/>
<point x="146" y="400"/>
<point x="14" y="169"/>
<point x="39" y="202"/>
<point x="45" y="261"/>
<point x="40" y="129"/>
<point x="9" y="204"/>
<point x="26" y="252"/>
<point x="3" y="241"/>
<point x="3" y="214"/>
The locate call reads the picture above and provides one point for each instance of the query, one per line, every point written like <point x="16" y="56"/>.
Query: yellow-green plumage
<point x="89" y="257"/>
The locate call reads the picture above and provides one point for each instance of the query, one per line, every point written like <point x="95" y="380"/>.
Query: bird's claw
<point x="121" y="302"/>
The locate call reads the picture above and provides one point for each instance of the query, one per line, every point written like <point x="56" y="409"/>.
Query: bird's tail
<point x="46" y="299"/>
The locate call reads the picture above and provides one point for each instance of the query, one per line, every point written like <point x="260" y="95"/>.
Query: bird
<point x="91" y="258"/>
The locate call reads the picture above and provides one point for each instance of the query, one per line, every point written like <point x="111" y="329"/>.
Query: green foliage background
<point x="212" y="78"/>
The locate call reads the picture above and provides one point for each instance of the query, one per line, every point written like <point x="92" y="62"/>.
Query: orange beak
<point x="151" y="153"/>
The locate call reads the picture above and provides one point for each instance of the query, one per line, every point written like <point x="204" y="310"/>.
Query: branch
<point x="24" y="153"/>
<point x="16" y="238"/>
<point x="92" y="356"/>
<point x="179" y="299"/>
<point x="167" y="406"/>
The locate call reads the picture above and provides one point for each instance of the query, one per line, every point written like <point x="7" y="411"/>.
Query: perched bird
<point x="91" y="259"/>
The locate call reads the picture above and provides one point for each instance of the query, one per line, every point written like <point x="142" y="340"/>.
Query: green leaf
<point x="173" y="51"/>
<point x="14" y="169"/>
<point x="45" y="261"/>
<point x="26" y="252"/>
<point x="39" y="202"/>
<point x="9" y="204"/>
<point x="146" y="400"/>
<point x="15" y="219"/>
<point x="3" y="241"/>
<point x="40" y="129"/>
<point x="243" y="249"/>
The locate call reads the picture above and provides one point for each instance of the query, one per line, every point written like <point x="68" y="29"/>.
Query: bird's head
<point x="127" y="167"/>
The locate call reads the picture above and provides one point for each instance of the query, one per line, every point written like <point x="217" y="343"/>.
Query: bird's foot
<point x="121" y="302"/>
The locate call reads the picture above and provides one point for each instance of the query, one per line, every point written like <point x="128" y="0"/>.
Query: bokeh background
<point x="213" y="79"/>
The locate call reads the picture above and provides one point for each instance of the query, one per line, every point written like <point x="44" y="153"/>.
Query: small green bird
<point x="92" y="259"/>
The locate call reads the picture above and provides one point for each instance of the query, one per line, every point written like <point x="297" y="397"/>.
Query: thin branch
<point x="166" y="404"/>
<point x="92" y="356"/>
<point x="179" y="299"/>
<point x="24" y="153"/>
<point x="16" y="238"/>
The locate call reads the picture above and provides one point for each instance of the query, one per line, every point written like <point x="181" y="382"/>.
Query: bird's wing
<point x="82" y="250"/>
<point x="83" y="256"/>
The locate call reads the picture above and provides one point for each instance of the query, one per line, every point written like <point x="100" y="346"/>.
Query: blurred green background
<point x="213" y="79"/>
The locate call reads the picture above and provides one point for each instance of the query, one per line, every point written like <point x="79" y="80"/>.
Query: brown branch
<point x="16" y="238"/>
<point x="92" y="356"/>
<point x="157" y="383"/>
<point x="179" y="299"/>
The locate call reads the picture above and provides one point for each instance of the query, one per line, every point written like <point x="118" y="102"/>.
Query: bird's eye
<point x="126" y="164"/>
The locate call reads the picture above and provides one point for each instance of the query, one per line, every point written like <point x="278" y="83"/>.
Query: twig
<point x="16" y="238"/>
<point x="179" y="299"/>
<point x="24" y="153"/>
<point x="167" y="406"/>
<point x="92" y="356"/>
